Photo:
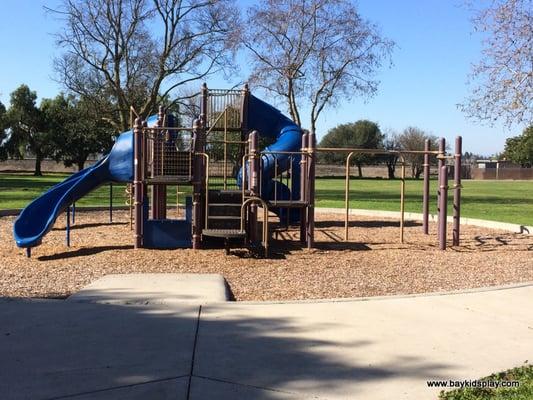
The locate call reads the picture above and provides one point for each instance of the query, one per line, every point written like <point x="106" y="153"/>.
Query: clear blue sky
<point x="435" y="48"/>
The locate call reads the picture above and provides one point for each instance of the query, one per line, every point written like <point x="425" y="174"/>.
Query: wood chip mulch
<point x="372" y="263"/>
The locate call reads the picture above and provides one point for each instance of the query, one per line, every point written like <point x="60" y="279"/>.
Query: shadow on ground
<point x="83" y="252"/>
<point x="54" y="349"/>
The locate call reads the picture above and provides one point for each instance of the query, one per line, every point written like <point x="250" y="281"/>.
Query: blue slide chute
<point x="38" y="218"/>
<point x="271" y="123"/>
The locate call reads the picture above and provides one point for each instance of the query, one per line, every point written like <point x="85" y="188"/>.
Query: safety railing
<point x="249" y="201"/>
<point x="168" y="154"/>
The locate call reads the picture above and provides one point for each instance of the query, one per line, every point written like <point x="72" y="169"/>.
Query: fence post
<point x="138" y="164"/>
<point x="443" y="212"/>
<point x="457" y="190"/>
<point x="425" y="201"/>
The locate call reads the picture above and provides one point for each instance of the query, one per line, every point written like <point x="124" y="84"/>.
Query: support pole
<point x="443" y="186"/>
<point x="225" y="149"/>
<point x="245" y="96"/>
<point x="73" y="213"/>
<point x="130" y="197"/>
<point x="402" y="200"/>
<point x="253" y="183"/>
<point x="197" y="185"/>
<point x="440" y="163"/>
<point x="159" y="192"/>
<point x="425" y="195"/>
<point x="347" y="196"/>
<point x="138" y="165"/>
<point x="203" y="106"/>
<point x="311" y="192"/>
<point x="303" y="185"/>
<point x="110" y="203"/>
<point x="457" y="190"/>
<point x="67" y="231"/>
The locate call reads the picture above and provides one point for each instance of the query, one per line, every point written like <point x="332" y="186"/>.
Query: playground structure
<point x="227" y="174"/>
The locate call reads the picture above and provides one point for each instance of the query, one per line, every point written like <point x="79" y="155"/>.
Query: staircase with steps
<point x="224" y="214"/>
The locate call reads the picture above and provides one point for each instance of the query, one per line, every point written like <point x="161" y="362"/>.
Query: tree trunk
<point x="81" y="165"/>
<point x="38" y="161"/>
<point x="391" y="168"/>
<point x="418" y="172"/>
<point x="359" y="170"/>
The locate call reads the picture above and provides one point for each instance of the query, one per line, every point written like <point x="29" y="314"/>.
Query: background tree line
<point x="65" y="128"/>
<point x="365" y="134"/>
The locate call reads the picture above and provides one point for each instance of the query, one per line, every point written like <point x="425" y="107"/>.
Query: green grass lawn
<point x="524" y="375"/>
<point x="508" y="201"/>
<point x="17" y="190"/>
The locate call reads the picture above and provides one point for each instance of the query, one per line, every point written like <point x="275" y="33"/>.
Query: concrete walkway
<point x="384" y="348"/>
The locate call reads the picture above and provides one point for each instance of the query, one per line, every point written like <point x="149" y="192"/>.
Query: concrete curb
<point x="515" y="228"/>
<point x="154" y="289"/>
<point x="394" y="296"/>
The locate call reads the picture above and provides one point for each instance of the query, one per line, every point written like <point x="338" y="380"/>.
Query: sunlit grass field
<point x="507" y="201"/>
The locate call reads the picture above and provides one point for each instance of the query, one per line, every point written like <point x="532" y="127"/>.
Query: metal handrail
<point x="374" y="151"/>
<point x="206" y="181"/>
<point x="264" y="205"/>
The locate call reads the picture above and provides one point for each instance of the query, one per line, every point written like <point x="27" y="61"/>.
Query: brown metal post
<point x="303" y="185"/>
<point x="311" y="191"/>
<point x="440" y="163"/>
<point x="425" y="195"/>
<point x="138" y="165"/>
<point x="159" y="192"/>
<point x="253" y="184"/>
<point x="457" y="190"/>
<point x="402" y="200"/>
<point x="197" y="185"/>
<point x="443" y="212"/>
<point x="244" y="112"/>
<point x="203" y="105"/>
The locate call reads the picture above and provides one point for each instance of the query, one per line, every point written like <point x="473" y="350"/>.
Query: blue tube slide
<point x="38" y="218"/>
<point x="271" y="123"/>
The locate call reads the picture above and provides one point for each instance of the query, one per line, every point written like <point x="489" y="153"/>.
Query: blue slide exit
<point x="38" y="218"/>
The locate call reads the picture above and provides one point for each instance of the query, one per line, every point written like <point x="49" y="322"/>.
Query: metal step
<point x="222" y="209"/>
<point x="224" y="233"/>
<point x="224" y="217"/>
<point x="287" y="204"/>
<point x="225" y="196"/>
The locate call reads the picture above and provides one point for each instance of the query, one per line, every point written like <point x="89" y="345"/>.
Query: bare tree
<point x="391" y="142"/>
<point x="313" y="52"/>
<point x="413" y="138"/>
<point x="122" y="53"/>
<point x="503" y="79"/>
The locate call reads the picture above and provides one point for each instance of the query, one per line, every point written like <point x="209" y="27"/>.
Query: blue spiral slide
<point x="272" y="124"/>
<point x="38" y="218"/>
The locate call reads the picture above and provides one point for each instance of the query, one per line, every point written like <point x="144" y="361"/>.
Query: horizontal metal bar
<point x="373" y="151"/>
